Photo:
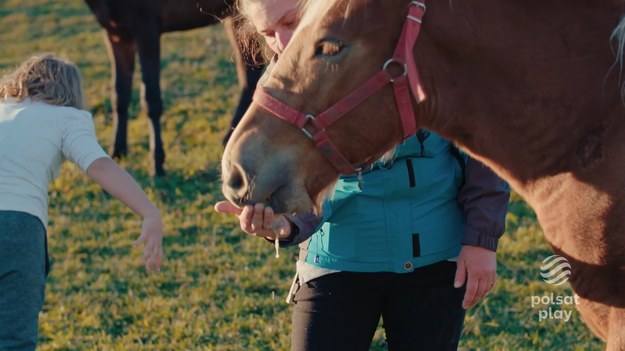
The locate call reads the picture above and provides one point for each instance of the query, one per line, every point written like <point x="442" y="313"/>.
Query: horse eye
<point x="329" y="47"/>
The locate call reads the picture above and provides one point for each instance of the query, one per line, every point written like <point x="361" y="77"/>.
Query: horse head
<point x="337" y="46"/>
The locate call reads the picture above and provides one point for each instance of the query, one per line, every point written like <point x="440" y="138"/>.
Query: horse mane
<point x="618" y="35"/>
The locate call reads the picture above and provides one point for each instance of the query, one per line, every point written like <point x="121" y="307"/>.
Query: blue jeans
<point x="420" y="310"/>
<point x="23" y="270"/>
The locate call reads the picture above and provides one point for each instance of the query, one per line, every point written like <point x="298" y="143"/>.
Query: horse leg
<point x="616" y="333"/>
<point x="247" y="74"/>
<point x="148" y="45"/>
<point x="122" y="56"/>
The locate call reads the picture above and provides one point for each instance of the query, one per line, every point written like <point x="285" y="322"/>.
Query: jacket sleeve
<point x="484" y="202"/>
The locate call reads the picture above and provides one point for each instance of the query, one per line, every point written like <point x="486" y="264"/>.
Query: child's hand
<point x="117" y="182"/>
<point x="152" y="237"/>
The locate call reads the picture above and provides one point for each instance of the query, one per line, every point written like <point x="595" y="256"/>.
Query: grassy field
<point x="218" y="290"/>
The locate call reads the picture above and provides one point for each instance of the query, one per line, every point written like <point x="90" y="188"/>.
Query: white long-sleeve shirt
<point x="35" y="138"/>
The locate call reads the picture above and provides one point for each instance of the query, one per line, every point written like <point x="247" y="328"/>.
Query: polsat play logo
<point x="555" y="270"/>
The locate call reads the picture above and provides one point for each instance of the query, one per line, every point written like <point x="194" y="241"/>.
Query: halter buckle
<point x="419" y="4"/>
<point x="310" y="119"/>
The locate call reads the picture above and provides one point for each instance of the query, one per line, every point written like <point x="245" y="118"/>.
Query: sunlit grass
<point x="219" y="289"/>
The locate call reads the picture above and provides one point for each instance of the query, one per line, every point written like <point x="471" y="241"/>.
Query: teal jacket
<point x="417" y="210"/>
<point x="405" y="215"/>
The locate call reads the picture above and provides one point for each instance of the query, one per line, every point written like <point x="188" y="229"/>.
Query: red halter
<point x="403" y="57"/>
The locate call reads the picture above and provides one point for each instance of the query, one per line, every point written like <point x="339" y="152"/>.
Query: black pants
<point x="340" y="311"/>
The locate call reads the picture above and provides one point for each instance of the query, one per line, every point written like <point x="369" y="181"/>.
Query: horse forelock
<point x="618" y="36"/>
<point x="314" y="9"/>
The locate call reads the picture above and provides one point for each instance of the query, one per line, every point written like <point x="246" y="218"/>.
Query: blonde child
<point x="42" y="122"/>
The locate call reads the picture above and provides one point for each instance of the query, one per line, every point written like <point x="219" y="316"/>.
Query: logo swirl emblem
<point x="555" y="270"/>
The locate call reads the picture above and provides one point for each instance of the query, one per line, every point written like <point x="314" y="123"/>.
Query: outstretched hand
<point x="117" y="182"/>
<point x="152" y="237"/>
<point x="477" y="266"/>
<point x="257" y="220"/>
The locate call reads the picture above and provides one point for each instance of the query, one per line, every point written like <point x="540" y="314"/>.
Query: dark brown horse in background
<point x="530" y="88"/>
<point x="135" y="26"/>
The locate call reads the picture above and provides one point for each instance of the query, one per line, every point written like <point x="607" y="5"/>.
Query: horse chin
<point x="295" y="199"/>
<point x="288" y="200"/>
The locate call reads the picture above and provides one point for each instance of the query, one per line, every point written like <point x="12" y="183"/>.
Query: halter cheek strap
<point x="402" y="84"/>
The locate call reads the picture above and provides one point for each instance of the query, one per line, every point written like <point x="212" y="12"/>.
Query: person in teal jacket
<point x="399" y="244"/>
<point x="413" y="242"/>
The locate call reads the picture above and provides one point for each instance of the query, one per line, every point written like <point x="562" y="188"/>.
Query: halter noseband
<point x="403" y="56"/>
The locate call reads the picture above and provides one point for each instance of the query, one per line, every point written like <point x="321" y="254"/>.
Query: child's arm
<point x="117" y="182"/>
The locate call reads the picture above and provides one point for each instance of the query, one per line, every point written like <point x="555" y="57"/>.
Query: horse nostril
<point x="236" y="186"/>
<point x="236" y="179"/>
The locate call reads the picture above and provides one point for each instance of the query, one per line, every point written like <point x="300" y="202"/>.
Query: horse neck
<point x="519" y="86"/>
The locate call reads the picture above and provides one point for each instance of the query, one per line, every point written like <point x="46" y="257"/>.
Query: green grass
<point x="219" y="289"/>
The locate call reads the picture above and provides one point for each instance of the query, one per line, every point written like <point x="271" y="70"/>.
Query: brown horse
<point x="532" y="89"/>
<point x="136" y="26"/>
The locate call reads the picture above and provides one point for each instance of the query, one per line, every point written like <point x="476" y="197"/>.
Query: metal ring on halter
<point x="396" y="61"/>
<point x="310" y="118"/>
<point x="419" y="4"/>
